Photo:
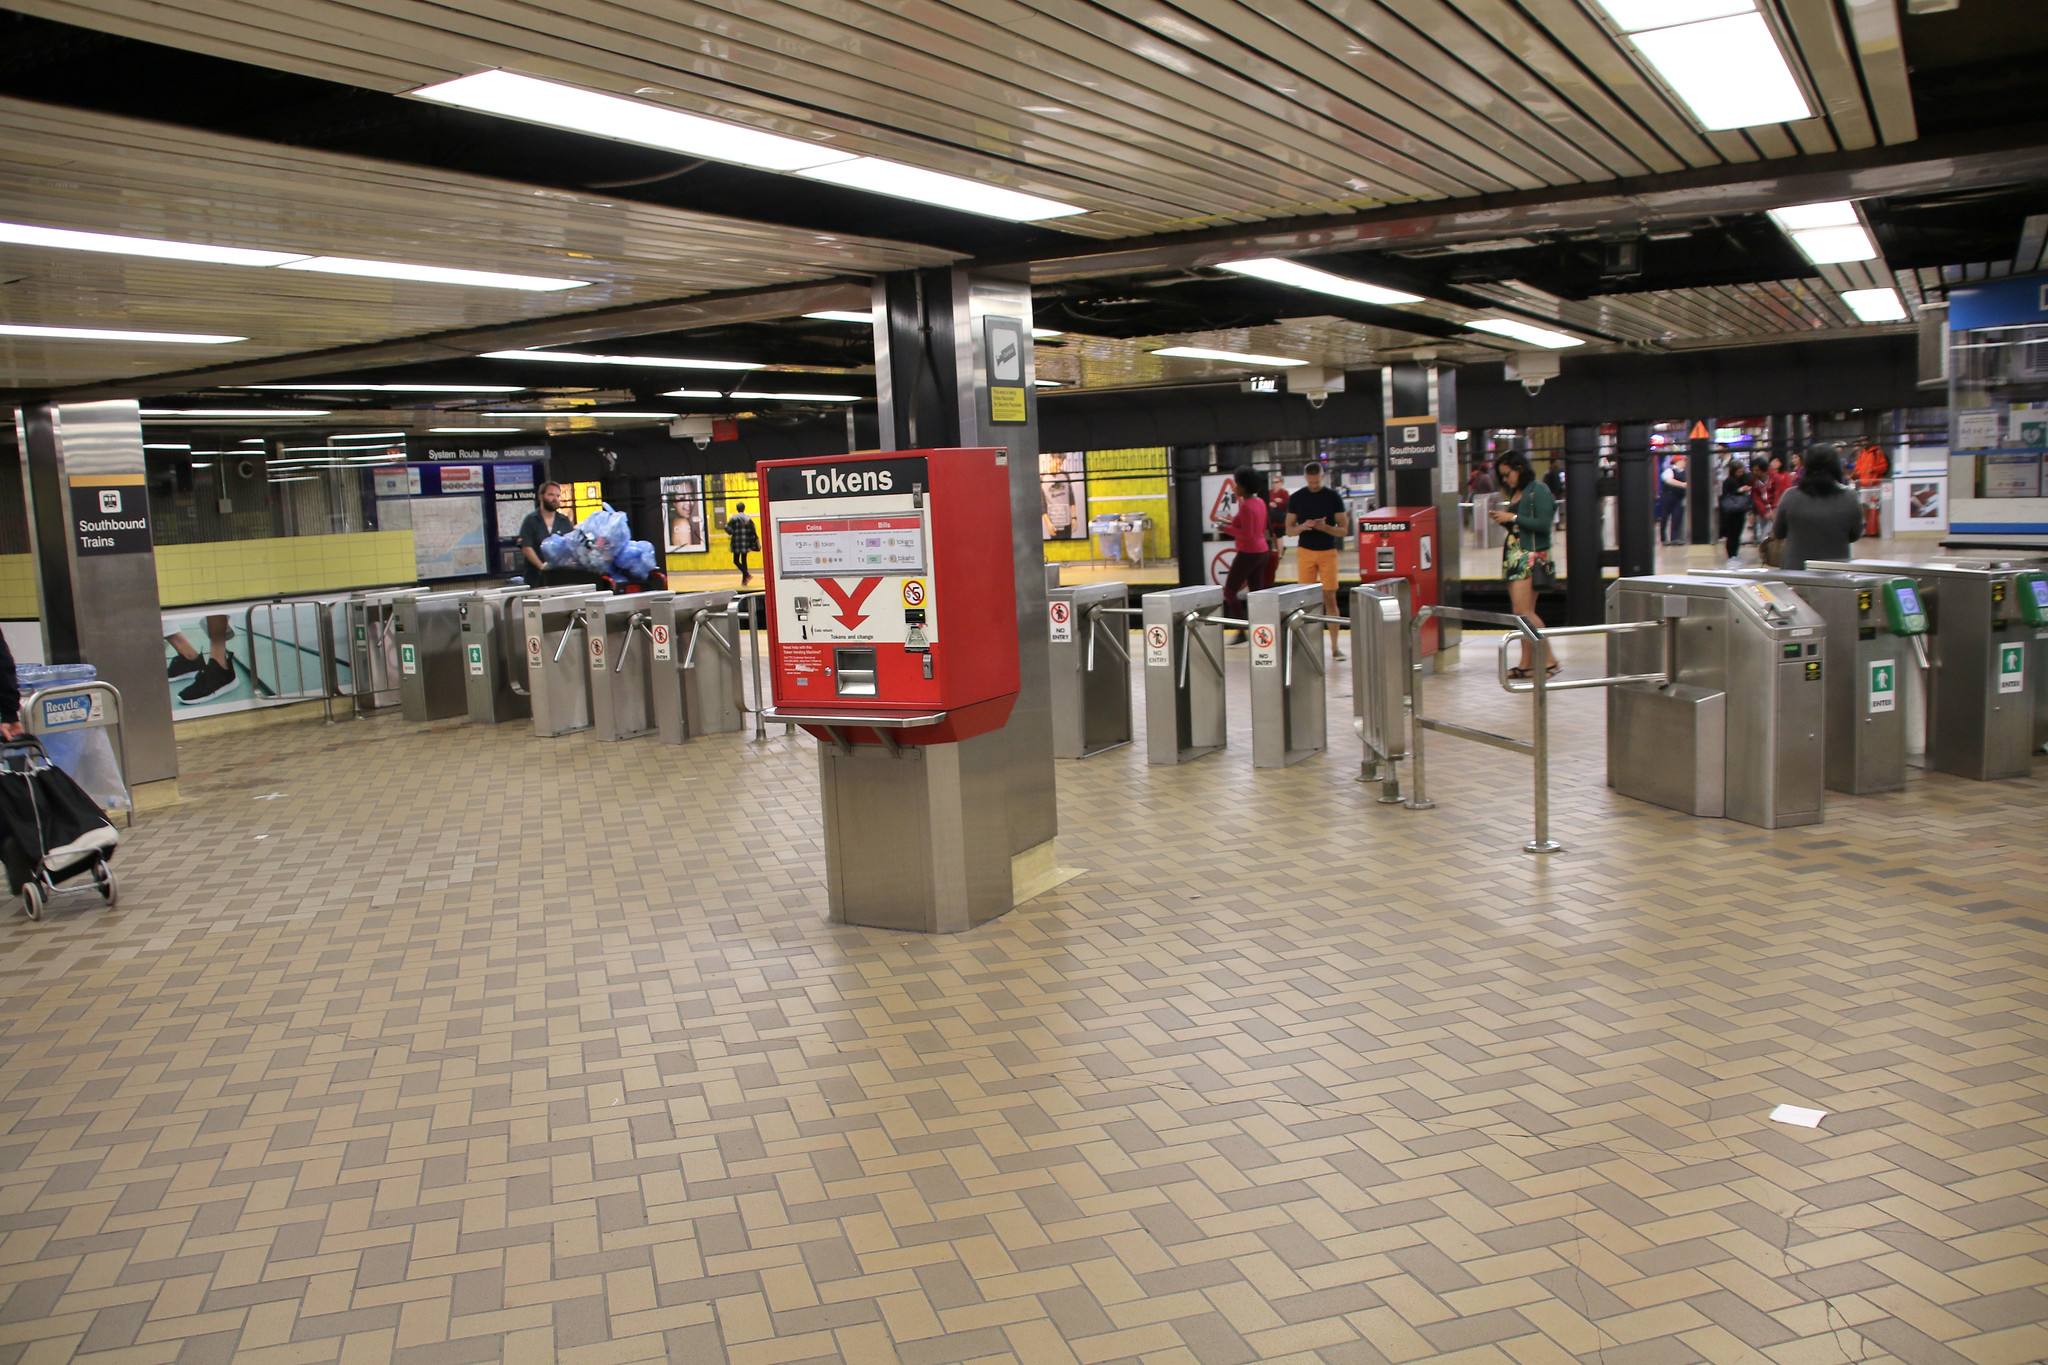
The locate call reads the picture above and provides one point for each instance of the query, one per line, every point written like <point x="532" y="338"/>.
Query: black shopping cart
<point x="50" y="830"/>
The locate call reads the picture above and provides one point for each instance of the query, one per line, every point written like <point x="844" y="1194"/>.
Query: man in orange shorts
<point x="1316" y="517"/>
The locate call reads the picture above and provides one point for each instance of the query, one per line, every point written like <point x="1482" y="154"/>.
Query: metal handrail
<point x="1537" y="746"/>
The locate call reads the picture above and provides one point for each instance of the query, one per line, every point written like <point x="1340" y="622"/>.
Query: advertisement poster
<point x="1063" y="495"/>
<point x="1924" y="504"/>
<point x="683" y="515"/>
<point x="239" y="657"/>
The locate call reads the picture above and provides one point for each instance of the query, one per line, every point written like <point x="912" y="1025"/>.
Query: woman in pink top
<point x="1248" y="537"/>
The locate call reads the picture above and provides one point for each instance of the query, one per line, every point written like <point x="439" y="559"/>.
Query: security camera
<point x="1317" y="397"/>
<point x="696" y="429"/>
<point x="700" y="441"/>
<point x="1532" y="368"/>
<point x="1532" y="385"/>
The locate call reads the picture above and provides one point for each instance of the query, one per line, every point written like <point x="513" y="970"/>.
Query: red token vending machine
<point x="892" y="594"/>
<point x="1400" y="542"/>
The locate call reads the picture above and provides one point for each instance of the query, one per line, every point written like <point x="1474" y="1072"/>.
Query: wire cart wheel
<point x="33" y="898"/>
<point x="103" y="878"/>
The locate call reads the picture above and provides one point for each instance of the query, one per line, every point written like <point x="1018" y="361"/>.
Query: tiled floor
<point x="458" y="1046"/>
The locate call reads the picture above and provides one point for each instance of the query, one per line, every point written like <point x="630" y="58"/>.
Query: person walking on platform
<point x="1821" y="517"/>
<point x="1671" y="501"/>
<point x="1315" y="516"/>
<point x="1529" y="514"/>
<point x="744" y="540"/>
<point x="1276" y="529"/>
<point x="1736" y="505"/>
<point x="547" y="520"/>
<point x="1247" y="528"/>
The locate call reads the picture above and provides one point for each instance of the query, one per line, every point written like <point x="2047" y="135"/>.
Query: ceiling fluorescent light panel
<point x="1526" y="332"/>
<point x="1321" y="281"/>
<point x="103" y="334"/>
<point x="1232" y="357"/>
<point x="1719" y="57"/>
<point x="652" y="362"/>
<point x="1875" y="305"/>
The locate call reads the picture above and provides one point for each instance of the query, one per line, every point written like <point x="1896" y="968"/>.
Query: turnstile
<point x="1184" y="699"/>
<point x="696" y="657"/>
<point x="1981" y="653"/>
<point x="619" y="634"/>
<point x="1379" y="675"/>
<point x="427" y="630"/>
<point x="373" y="646"/>
<point x="1091" y="668"/>
<point x="557" y="666"/>
<point x="1875" y="635"/>
<point x="1289" y="711"/>
<point x="1738" y="730"/>
<point x="494" y="651"/>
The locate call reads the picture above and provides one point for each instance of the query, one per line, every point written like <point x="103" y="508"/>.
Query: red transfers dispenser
<point x="892" y="597"/>
<point x="1400" y="542"/>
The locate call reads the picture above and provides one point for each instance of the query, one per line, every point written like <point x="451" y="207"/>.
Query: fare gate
<point x="494" y="651"/>
<point x="1876" y="638"/>
<point x="695" y="650"/>
<point x="1091" y="668"/>
<point x="372" y="646"/>
<point x="557" y="676"/>
<point x="1289" y="711"/>
<point x="1184" y="698"/>
<point x="1379" y="682"/>
<point x="427" y="630"/>
<point x="1982" y="652"/>
<point x="618" y="632"/>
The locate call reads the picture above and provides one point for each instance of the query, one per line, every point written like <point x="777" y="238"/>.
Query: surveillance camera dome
<point x="1532" y="385"/>
<point x="1317" y="397"/>
<point x="701" y="441"/>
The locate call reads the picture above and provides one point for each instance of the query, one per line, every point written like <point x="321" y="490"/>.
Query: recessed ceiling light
<point x="236" y="412"/>
<point x="24" y="234"/>
<point x="652" y="362"/>
<point x="251" y="440"/>
<point x="1234" y="357"/>
<point x="1875" y="305"/>
<point x="14" y="329"/>
<point x="531" y="100"/>
<point x="786" y="397"/>
<point x="474" y="431"/>
<point x="146" y="445"/>
<point x="1800" y="217"/>
<point x="1322" y="281"/>
<point x="1522" y="331"/>
<point x="874" y="174"/>
<point x="1827" y="234"/>
<point x="386" y="388"/>
<point x="431" y="274"/>
<point x="843" y="315"/>
<point x="369" y="436"/>
<point x="1718" y="56"/>
<point x="1044" y="333"/>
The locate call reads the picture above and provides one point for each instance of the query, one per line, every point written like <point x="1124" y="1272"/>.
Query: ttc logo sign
<point x="110" y="500"/>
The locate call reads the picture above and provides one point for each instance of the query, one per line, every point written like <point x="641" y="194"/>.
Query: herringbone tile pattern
<point x="463" y="1046"/>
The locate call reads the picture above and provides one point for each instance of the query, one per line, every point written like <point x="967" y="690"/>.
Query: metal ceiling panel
<point x="1875" y="24"/>
<point x="1818" y="30"/>
<point x="96" y="173"/>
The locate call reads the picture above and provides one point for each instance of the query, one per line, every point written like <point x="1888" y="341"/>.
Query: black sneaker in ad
<point x="212" y="678"/>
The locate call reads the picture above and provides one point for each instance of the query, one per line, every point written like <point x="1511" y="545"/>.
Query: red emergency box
<point x="892" y="591"/>
<point x="1400" y="542"/>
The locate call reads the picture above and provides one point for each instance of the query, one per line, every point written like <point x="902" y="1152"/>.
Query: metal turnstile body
<point x="1981" y="655"/>
<point x="494" y="651"/>
<point x="1289" y="711"/>
<point x="696" y="657"/>
<point x="1184" y="700"/>
<point x="373" y="646"/>
<point x="1379" y="672"/>
<point x="557" y="662"/>
<point x="1090" y="659"/>
<point x="1747" y="663"/>
<point x="619" y="638"/>
<point x="428" y="632"/>
<point x="1866" y="725"/>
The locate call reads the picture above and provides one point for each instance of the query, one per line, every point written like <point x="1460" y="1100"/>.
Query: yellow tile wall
<point x="18" y="588"/>
<point x="225" y="570"/>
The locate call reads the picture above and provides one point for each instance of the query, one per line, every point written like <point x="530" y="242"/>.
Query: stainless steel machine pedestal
<point x="1289" y="704"/>
<point x="1184" y="698"/>
<point x="1091" y="668"/>
<point x="427" y="630"/>
<point x="915" y="839"/>
<point x="696" y="656"/>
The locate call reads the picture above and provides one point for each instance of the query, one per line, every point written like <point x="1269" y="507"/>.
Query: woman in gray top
<point x="1820" y="515"/>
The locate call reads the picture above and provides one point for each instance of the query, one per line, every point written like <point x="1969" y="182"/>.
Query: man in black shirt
<point x="1316" y="516"/>
<point x="548" y="520"/>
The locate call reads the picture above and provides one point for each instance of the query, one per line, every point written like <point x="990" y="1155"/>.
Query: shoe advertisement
<point x="239" y="656"/>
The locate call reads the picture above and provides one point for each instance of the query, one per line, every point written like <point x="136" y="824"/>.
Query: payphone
<point x="1401" y="542"/>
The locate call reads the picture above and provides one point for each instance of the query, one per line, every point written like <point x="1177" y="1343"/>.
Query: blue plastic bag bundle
<point x="31" y="676"/>
<point x="605" y="534"/>
<point x="559" y="552"/>
<point x="636" y="561"/>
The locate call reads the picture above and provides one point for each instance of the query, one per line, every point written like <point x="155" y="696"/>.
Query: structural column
<point x="1584" y="589"/>
<point x="940" y="385"/>
<point x="1635" y="507"/>
<point x="88" y="502"/>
